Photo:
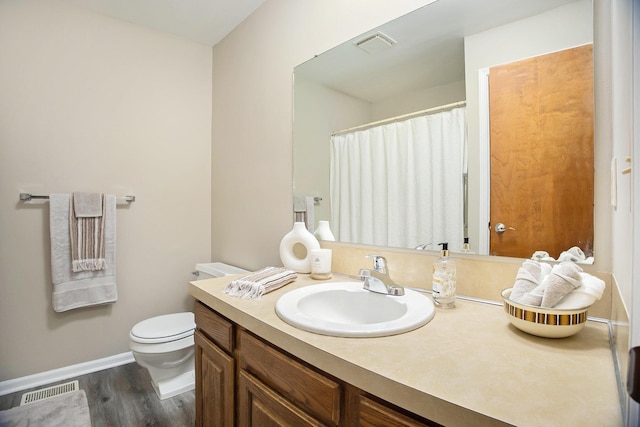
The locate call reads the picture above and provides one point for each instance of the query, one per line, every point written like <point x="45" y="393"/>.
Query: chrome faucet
<point x="377" y="279"/>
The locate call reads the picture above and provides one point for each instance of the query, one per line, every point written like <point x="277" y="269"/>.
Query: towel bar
<point x="25" y="197"/>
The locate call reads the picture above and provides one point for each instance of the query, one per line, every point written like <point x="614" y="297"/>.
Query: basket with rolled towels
<point x="551" y="301"/>
<point x="254" y="285"/>
<point x="564" y="286"/>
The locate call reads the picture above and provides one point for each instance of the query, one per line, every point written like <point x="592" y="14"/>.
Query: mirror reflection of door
<point x="541" y="136"/>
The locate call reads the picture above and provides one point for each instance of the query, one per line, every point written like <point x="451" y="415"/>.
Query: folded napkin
<point x="254" y="285"/>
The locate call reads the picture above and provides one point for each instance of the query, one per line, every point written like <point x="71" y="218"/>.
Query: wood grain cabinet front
<point x="261" y="406"/>
<point x="215" y="371"/>
<point x="374" y="414"/>
<point x="306" y="388"/>
<point x="243" y="380"/>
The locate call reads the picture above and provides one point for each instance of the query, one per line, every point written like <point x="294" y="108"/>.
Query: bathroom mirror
<point x="435" y="56"/>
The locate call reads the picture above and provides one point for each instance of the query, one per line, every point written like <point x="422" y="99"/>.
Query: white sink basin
<point x="344" y="309"/>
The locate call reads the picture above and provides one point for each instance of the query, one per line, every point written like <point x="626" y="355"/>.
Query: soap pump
<point x="444" y="279"/>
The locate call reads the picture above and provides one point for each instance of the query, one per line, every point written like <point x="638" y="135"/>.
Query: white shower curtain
<point x="401" y="184"/>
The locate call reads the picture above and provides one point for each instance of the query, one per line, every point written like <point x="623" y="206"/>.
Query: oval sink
<point x="344" y="309"/>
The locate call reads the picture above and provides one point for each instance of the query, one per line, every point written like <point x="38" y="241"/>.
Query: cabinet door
<point x="214" y="384"/>
<point x="258" y="405"/>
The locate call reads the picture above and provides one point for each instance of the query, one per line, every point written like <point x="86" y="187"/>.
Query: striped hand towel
<point x="254" y="285"/>
<point x="86" y="225"/>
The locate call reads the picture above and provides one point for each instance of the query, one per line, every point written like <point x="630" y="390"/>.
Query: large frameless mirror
<point x="461" y="120"/>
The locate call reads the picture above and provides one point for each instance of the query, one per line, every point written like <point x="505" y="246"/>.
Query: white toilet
<point x="164" y="344"/>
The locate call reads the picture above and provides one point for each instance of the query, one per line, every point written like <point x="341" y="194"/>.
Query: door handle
<point x="501" y="228"/>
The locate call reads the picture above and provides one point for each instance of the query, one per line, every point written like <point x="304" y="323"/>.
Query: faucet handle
<point x="364" y="274"/>
<point x="379" y="263"/>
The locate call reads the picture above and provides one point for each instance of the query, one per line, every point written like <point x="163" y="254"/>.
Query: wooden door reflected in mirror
<point x="541" y="136"/>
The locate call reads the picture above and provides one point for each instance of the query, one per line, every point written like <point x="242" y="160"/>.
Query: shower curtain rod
<point x="405" y="116"/>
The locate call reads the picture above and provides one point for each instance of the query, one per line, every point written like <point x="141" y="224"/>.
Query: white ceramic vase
<point x="299" y="235"/>
<point x="323" y="232"/>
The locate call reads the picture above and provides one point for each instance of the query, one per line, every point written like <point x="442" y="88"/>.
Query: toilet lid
<point x="168" y="327"/>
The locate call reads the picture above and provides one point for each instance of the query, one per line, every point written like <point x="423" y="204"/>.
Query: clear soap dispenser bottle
<point x="444" y="279"/>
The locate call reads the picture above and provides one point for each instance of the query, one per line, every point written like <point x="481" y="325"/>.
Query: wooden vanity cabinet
<point x="215" y="369"/>
<point x="242" y="380"/>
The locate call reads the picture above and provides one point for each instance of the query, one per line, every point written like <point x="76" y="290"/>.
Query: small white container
<point x="321" y="264"/>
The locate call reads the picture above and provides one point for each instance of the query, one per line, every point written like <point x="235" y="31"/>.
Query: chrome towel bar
<point x="25" y="197"/>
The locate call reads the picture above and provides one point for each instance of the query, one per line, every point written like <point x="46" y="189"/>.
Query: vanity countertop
<point x="468" y="366"/>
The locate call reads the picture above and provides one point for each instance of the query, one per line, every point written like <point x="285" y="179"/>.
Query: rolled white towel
<point x="594" y="284"/>
<point x="591" y="290"/>
<point x="564" y="278"/>
<point x="574" y="254"/>
<point x="534" y="297"/>
<point x="542" y="256"/>
<point x="545" y="270"/>
<point x="527" y="279"/>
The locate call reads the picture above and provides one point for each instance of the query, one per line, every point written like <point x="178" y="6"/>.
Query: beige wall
<point x="93" y="104"/>
<point x="252" y="110"/>
<point x="313" y="126"/>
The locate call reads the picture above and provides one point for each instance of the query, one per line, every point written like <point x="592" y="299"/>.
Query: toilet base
<point x="174" y="386"/>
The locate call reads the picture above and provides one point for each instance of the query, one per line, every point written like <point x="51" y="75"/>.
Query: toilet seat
<point x="162" y="329"/>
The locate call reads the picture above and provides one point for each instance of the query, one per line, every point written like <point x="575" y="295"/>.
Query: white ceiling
<point x="202" y="21"/>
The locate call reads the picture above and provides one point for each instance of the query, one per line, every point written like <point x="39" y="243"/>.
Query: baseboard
<point x="48" y="377"/>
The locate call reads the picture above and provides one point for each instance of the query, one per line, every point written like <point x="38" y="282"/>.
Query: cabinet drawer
<point x="374" y="414"/>
<point x="309" y="390"/>
<point x="214" y="326"/>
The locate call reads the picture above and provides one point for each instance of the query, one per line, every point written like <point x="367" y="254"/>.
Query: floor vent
<point x="49" y="392"/>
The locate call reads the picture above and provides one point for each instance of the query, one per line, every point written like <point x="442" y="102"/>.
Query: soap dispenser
<point x="465" y="246"/>
<point x="444" y="279"/>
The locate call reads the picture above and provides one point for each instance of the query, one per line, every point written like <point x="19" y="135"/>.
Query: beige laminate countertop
<point x="467" y="367"/>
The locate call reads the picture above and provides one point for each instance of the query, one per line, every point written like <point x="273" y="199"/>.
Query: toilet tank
<point x="216" y="269"/>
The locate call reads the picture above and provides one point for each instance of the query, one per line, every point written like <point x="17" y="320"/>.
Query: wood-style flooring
<point x="123" y="397"/>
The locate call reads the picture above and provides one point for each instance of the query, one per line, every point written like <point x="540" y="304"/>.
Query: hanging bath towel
<point x="82" y="288"/>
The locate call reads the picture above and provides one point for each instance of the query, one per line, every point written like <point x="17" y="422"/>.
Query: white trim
<point x="633" y="414"/>
<point x="483" y="171"/>
<point x="48" y="377"/>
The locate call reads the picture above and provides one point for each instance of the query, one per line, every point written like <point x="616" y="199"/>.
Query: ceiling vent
<point x="375" y="43"/>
